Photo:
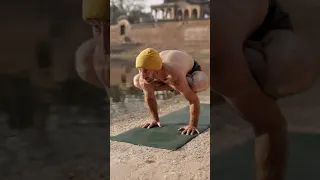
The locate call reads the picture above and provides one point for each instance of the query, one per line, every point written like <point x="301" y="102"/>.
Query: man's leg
<point x="286" y="66"/>
<point x="85" y="65"/>
<point x="136" y="81"/>
<point x="198" y="81"/>
<point x="231" y="77"/>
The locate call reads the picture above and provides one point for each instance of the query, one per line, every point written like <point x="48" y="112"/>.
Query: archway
<point x="154" y="14"/>
<point x="168" y="14"/>
<point x="122" y="29"/>
<point x="160" y="14"/>
<point x="179" y="14"/>
<point x="186" y="14"/>
<point x="194" y="14"/>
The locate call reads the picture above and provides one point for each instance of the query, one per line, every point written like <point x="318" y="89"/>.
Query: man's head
<point x="148" y="62"/>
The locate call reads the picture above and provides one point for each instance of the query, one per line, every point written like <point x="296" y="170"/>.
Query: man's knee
<point x="136" y="81"/>
<point x="285" y="47"/>
<point x="198" y="81"/>
<point x="287" y="52"/>
<point x="84" y="64"/>
<point x="83" y="57"/>
<point x="256" y="63"/>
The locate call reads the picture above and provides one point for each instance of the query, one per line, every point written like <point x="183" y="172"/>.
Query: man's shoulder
<point x="146" y="87"/>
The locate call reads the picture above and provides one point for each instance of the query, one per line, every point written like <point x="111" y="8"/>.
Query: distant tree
<point x="132" y="9"/>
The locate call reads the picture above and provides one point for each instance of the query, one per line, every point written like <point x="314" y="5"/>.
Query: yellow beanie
<point x="95" y="9"/>
<point x="149" y="59"/>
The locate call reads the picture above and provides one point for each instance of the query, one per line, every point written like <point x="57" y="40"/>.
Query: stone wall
<point x="169" y="34"/>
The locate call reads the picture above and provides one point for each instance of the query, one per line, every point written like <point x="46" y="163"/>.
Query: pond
<point x="126" y="98"/>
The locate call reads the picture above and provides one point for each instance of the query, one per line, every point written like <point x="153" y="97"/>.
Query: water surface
<point x="126" y="98"/>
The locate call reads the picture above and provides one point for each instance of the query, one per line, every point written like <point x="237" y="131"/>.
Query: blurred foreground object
<point x="92" y="57"/>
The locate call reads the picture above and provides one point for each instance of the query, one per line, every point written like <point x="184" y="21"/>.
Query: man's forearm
<point x="153" y="107"/>
<point x="270" y="135"/>
<point x="194" y="113"/>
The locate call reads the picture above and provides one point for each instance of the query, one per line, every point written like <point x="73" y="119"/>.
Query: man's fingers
<point x="183" y="132"/>
<point x="150" y="125"/>
<point x="145" y="125"/>
<point x="188" y="131"/>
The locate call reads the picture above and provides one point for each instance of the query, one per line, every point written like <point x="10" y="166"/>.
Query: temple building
<point x="181" y="10"/>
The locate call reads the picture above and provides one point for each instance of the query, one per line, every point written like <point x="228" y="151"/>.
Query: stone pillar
<point x="165" y="13"/>
<point x="161" y="16"/>
<point x="182" y="14"/>
<point x="156" y="14"/>
<point x="172" y="16"/>
<point x="168" y="13"/>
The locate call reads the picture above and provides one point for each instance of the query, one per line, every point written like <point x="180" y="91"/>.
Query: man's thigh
<point x="84" y="63"/>
<point x="230" y="74"/>
<point x="287" y="65"/>
<point x="198" y="81"/>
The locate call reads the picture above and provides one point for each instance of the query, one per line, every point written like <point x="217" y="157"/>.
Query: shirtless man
<point x="170" y="70"/>
<point x="257" y="58"/>
<point x="92" y="57"/>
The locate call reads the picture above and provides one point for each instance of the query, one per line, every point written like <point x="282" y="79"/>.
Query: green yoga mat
<point x="167" y="136"/>
<point x="238" y="162"/>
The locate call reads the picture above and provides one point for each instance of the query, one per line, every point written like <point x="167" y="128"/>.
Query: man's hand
<point x="152" y="124"/>
<point x="188" y="130"/>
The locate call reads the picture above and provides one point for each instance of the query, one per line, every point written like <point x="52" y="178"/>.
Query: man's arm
<point x="150" y="100"/>
<point x="185" y="90"/>
<point x="101" y="59"/>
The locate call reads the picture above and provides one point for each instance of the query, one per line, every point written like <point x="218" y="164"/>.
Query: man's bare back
<point x="178" y="61"/>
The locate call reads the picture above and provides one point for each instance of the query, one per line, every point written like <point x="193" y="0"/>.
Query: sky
<point x="151" y="2"/>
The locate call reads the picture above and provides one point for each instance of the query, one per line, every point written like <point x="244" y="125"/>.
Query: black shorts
<point x="196" y="67"/>
<point x="276" y="19"/>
